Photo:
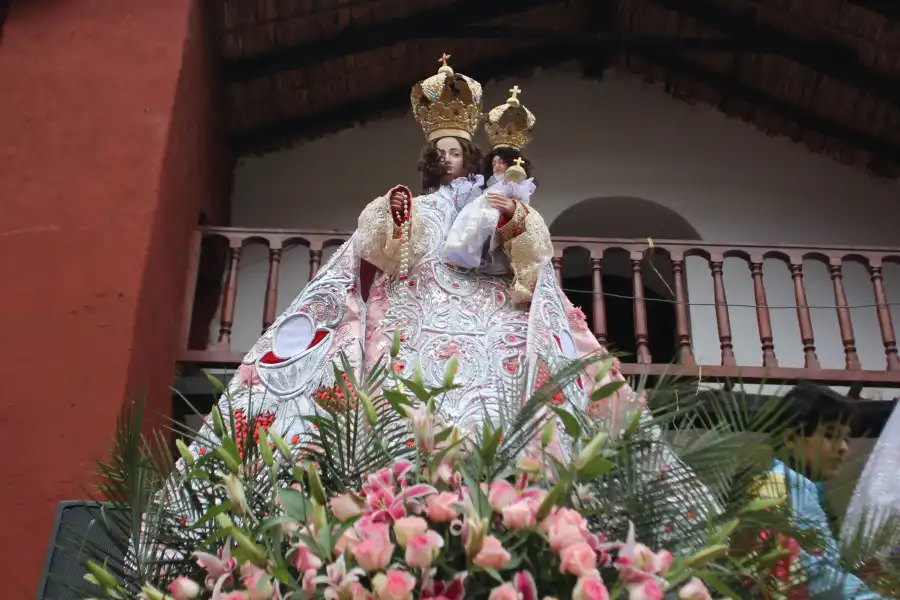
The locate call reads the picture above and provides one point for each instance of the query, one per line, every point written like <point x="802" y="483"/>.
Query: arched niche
<point x="625" y="218"/>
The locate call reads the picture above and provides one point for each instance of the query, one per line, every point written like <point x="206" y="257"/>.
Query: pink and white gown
<point x="508" y="328"/>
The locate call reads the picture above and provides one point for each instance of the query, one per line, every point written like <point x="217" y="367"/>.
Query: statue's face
<point x="452" y="152"/>
<point x="498" y="165"/>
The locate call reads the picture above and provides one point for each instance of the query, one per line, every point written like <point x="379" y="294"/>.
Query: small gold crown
<point x="510" y="124"/>
<point x="447" y="104"/>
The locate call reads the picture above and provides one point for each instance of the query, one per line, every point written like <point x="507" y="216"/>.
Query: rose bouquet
<point x="384" y="499"/>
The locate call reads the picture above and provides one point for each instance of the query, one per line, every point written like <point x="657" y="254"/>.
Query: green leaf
<point x="595" y="467"/>
<point x="724" y="532"/>
<point x="398" y="401"/>
<point x="570" y="423"/>
<point x="490" y="445"/>
<point x="494" y="575"/>
<point x="606" y="391"/>
<point x="554" y="498"/>
<point x="212" y="513"/>
<point x="295" y="504"/>
<point x="603" y="370"/>
<point x="762" y="504"/>
<point x="416" y="388"/>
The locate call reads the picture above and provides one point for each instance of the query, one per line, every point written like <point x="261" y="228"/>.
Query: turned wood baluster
<point x="599" y="304"/>
<point x="315" y="260"/>
<point x="723" y="320"/>
<point x="762" y="312"/>
<point x="884" y="316"/>
<point x="271" y="301"/>
<point x="835" y="267"/>
<point x="226" y="321"/>
<point x="557" y="266"/>
<point x="683" y="329"/>
<point x="810" y="360"/>
<point x="641" y="335"/>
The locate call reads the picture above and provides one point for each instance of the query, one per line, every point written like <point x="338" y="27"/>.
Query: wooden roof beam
<point x="799" y="116"/>
<point x="443" y="22"/>
<point x="334" y="119"/>
<point x="841" y="62"/>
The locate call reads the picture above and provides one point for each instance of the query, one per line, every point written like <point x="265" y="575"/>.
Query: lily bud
<point x="549" y="433"/>
<point x="368" y="407"/>
<point x="418" y="373"/>
<point x="218" y="425"/>
<point x="316" y="489"/>
<point x="320" y="517"/>
<point x="280" y="444"/>
<point x="475" y="538"/>
<point x="234" y="489"/>
<point x="185" y="453"/>
<point x="265" y="450"/>
<point x="450" y="373"/>
<point x="228" y="459"/>
<point x="592" y="449"/>
<point x="103" y="577"/>
<point x="395" y="344"/>
<point x="151" y="593"/>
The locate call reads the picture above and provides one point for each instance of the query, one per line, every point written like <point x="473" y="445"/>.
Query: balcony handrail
<point x="824" y="249"/>
<point x="676" y="252"/>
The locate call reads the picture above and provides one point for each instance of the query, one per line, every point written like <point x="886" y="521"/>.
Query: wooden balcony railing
<point x="672" y="264"/>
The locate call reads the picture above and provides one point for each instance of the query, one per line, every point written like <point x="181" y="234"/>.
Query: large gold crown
<point x="447" y="104"/>
<point x="510" y="124"/>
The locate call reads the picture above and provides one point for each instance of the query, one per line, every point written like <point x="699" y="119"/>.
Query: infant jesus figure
<point x="472" y="238"/>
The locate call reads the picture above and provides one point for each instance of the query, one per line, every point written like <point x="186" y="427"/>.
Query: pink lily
<point x="338" y="579"/>
<point x="525" y="586"/>
<point x="440" y="590"/>
<point x="216" y="567"/>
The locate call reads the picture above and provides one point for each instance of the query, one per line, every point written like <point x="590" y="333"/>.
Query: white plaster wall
<point x="616" y="139"/>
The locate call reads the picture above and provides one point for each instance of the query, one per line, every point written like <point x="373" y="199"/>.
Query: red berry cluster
<point x="242" y="429"/>
<point x="543" y="377"/>
<point x="332" y="399"/>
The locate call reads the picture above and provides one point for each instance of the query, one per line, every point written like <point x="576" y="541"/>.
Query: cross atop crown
<point x="445" y="68"/>
<point x="515" y="91"/>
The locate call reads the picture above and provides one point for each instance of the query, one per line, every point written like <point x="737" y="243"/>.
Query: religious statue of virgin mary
<point x="506" y="326"/>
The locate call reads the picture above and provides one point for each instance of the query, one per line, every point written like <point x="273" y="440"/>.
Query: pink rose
<point x="504" y="592"/>
<point x="344" y="507"/>
<point x="565" y="516"/>
<point x="590" y="588"/>
<point x="393" y="585"/>
<point x="639" y="562"/>
<point x="646" y="590"/>
<point x="369" y="530"/>
<point x="423" y="549"/>
<point x="578" y="560"/>
<point x="305" y="559"/>
<point x="519" y="515"/>
<point x="694" y="590"/>
<point x="492" y="554"/>
<point x="348" y="540"/>
<point x="409" y="527"/>
<point x="442" y="507"/>
<point x="501" y="494"/>
<point x="373" y="554"/>
<point x="184" y="589"/>
<point x="564" y="535"/>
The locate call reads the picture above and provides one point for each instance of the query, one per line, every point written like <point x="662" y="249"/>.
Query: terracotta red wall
<point x="109" y="152"/>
